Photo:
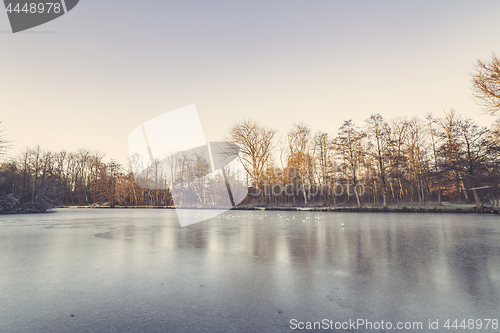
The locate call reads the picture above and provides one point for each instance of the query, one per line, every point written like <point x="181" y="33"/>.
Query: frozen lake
<point x="124" y="270"/>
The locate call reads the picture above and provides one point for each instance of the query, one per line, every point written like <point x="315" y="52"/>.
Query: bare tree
<point x="398" y="159"/>
<point x="465" y="147"/>
<point x="253" y="144"/>
<point x="495" y="137"/>
<point x="325" y="159"/>
<point x="486" y="84"/>
<point x="349" y="144"/>
<point x="416" y="152"/>
<point x="431" y="131"/>
<point x="4" y="144"/>
<point x="474" y="153"/>
<point x="449" y="148"/>
<point x="300" y="155"/>
<point x="378" y="131"/>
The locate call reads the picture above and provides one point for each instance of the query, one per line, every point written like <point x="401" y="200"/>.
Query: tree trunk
<point x="466" y="195"/>
<point x="478" y="201"/>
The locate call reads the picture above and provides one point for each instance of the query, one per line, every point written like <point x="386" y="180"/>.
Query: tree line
<point x="380" y="162"/>
<point x="39" y="179"/>
<point x="414" y="160"/>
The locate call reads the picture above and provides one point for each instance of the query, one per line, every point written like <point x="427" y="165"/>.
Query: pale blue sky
<point x="92" y="76"/>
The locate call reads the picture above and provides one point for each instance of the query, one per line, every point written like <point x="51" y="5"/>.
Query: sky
<point x="89" y="78"/>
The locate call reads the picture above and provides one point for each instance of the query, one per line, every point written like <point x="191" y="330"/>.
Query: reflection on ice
<point x="243" y="268"/>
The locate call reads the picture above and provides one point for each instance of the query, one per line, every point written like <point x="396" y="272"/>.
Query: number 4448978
<point x="472" y="324"/>
<point x="35" y="8"/>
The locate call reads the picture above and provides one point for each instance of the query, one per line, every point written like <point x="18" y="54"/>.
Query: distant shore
<point x="447" y="208"/>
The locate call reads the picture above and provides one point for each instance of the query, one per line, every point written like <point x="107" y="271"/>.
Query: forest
<point x="381" y="162"/>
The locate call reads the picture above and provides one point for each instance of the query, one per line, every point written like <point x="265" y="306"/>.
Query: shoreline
<point x="454" y="209"/>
